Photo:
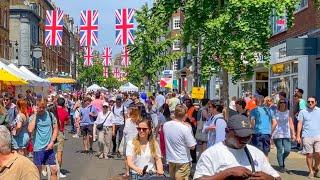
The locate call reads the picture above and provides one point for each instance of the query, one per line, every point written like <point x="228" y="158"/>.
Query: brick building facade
<point x="4" y="29"/>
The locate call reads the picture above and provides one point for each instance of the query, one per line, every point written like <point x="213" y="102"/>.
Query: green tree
<point x="229" y="32"/>
<point x="94" y="75"/>
<point x="150" y="53"/>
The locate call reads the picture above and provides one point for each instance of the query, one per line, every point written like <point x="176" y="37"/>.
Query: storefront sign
<point x="197" y="93"/>
<point x="302" y="46"/>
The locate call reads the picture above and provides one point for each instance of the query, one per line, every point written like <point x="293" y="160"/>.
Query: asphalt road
<point x="79" y="166"/>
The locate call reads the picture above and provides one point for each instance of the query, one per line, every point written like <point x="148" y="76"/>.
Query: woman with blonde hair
<point x="20" y="136"/>
<point x="130" y="130"/>
<point x="143" y="153"/>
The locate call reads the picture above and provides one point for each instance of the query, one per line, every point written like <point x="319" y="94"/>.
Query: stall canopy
<point x="129" y="87"/>
<point x="94" y="87"/>
<point x="39" y="81"/>
<point x="16" y="73"/>
<point x="61" y="80"/>
<point x="10" y="79"/>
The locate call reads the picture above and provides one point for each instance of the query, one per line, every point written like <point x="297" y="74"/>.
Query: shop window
<point x="262" y="76"/>
<point x="280" y="85"/>
<point x="280" y="69"/>
<point x="295" y="67"/>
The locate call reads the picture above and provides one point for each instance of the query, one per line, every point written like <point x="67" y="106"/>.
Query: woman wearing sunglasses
<point x="283" y="133"/>
<point x="143" y="153"/>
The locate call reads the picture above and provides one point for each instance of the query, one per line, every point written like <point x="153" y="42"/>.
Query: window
<point x="176" y="23"/>
<point x="278" y="24"/>
<point x="302" y="5"/>
<point x="176" y="45"/>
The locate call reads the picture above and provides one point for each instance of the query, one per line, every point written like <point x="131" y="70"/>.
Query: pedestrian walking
<point x="88" y="115"/>
<point x="119" y="112"/>
<point x="13" y="165"/>
<point x="234" y="158"/>
<point x="179" y="140"/>
<point x="283" y="134"/>
<point x="202" y="117"/>
<point x="20" y="137"/>
<point x="143" y="153"/>
<point x="106" y="129"/>
<point x="173" y="102"/>
<point x="262" y="120"/>
<point x="43" y="125"/>
<point x="309" y="130"/>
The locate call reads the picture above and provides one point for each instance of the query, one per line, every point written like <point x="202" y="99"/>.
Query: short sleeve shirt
<point x="119" y="113"/>
<point x="43" y="130"/>
<point x="220" y="157"/>
<point x="310" y="122"/>
<point x="263" y="118"/>
<point x="85" y="117"/>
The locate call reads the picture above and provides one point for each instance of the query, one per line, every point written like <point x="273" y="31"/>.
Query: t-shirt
<point x="19" y="167"/>
<point x="178" y="140"/>
<point x="282" y="129"/>
<point x="130" y="130"/>
<point x="119" y="113"/>
<point x="63" y="117"/>
<point x="263" y="118"/>
<point x="85" y="117"/>
<point x="173" y="102"/>
<point x="144" y="159"/>
<point x="160" y="100"/>
<point x="311" y="122"/>
<point x="219" y="157"/>
<point x="219" y="133"/>
<point x="43" y="130"/>
<point x="106" y="118"/>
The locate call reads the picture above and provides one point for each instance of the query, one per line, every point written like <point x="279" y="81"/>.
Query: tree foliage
<point x="231" y="32"/>
<point x="94" y="75"/>
<point x="150" y="51"/>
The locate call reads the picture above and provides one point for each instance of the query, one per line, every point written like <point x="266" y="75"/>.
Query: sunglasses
<point x="282" y="102"/>
<point x="311" y="102"/>
<point x="143" y="129"/>
<point x="6" y="100"/>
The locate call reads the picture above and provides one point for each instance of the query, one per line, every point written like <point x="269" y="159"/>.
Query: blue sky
<point x="106" y="10"/>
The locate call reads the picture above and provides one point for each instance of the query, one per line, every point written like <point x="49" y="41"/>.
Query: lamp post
<point x="36" y="55"/>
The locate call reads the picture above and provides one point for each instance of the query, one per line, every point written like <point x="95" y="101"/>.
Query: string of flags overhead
<point x="89" y="28"/>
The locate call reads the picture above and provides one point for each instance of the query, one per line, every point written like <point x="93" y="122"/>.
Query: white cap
<point x="105" y="104"/>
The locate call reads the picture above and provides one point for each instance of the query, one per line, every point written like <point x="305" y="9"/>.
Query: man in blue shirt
<point x="309" y="125"/>
<point x="43" y="125"/>
<point x="262" y="120"/>
<point x="88" y="115"/>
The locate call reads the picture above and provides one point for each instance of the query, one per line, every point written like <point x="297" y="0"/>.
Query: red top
<point x="63" y="117"/>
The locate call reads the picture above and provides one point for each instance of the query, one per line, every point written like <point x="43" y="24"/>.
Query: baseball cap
<point x="119" y="98"/>
<point x="105" y="104"/>
<point x="241" y="125"/>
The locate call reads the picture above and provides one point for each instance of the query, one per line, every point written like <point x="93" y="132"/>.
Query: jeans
<point x="262" y="142"/>
<point x="283" y="149"/>
<point x="73" y="129"/>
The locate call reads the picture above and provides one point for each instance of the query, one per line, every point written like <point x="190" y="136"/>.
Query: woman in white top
<point x="283" y="133"/>
<point x="143" y="151"/>
<point x="130" y="130"/>
<point x="105" y="134"/>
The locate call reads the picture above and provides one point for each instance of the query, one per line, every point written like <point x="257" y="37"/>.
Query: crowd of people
<point x="158" y="134"/>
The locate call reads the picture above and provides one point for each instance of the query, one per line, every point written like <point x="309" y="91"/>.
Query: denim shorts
<point x="44" y="157"/>
<point x="262" y="142"/>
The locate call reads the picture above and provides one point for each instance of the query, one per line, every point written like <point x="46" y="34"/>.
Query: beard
<point x="233" y="143"/>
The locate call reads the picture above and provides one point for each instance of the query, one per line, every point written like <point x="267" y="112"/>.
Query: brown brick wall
<point x="4" y="29"/>
<point x="305" y="21"/>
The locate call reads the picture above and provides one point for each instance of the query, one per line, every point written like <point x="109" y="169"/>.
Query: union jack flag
<point x="117" y="72"/>
<point x="125" y="57"/>
<point x="124" y="26"/>
<point x="53" y="28"/>
<point x="107" y="55"/>
<point x="105" y="71"/>
<point x="89" y="28"/>
<point x="88" y="56"/>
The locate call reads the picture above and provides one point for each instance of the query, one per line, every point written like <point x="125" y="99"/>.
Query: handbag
<point x="200" y="136"/>
<point x="100" y="126"/>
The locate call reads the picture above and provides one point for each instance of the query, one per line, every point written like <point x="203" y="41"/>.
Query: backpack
<point x="124" y="117"/>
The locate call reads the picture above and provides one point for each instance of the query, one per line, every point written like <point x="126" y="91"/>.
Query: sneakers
<point x="44" y="173"/>
<point x="311" y="175"/>
<point x="62" y="175"/>
<point x="75" y="136"/>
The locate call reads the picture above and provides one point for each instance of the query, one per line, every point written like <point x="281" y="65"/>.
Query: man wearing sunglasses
<point x="309" y="125"/>
<point x="234" y="158"/>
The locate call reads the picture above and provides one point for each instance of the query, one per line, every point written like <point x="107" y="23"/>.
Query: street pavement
<point x="79" y="166"/>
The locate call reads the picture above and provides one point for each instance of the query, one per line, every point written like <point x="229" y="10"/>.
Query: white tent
<point x="42" y="82"/>
<point x="128" y="87"/>
<point x="16" y="72"/>
<point x="94" y="87"/>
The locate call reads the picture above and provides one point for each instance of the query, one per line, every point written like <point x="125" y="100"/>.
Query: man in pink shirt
<point x="98" y="102"/>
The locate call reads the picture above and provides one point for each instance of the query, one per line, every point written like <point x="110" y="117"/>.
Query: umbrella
<point x="10" y="79"/>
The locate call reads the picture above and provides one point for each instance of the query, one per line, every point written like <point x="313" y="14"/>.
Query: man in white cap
<point x="235" y="158"/>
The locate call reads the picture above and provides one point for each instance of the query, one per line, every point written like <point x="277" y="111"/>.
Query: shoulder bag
<point x="100" y="126"/>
